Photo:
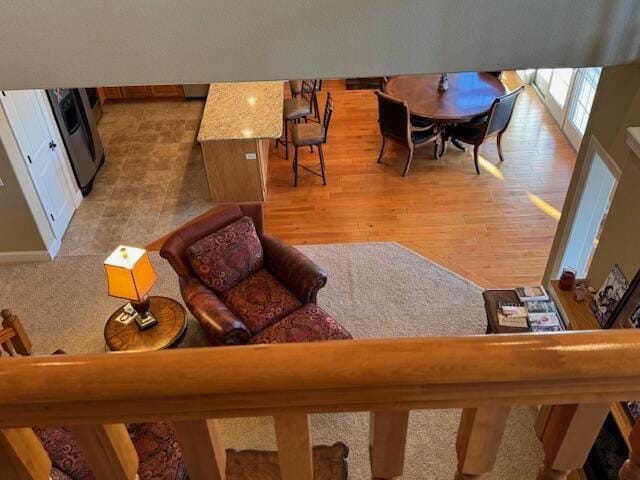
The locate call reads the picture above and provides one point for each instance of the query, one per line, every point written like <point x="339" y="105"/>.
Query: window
<point x="582" y="99"/>
<point x="559" y="85"/>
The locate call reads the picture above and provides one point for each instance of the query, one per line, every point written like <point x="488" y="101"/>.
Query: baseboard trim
<point x="27" y="256"/>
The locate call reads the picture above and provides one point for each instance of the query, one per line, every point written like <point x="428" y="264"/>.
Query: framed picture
<point x="627" y="315"/>
<point x="604" y="302"/>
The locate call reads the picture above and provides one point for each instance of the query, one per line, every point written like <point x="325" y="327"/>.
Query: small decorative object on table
<point x="581" y="291"/>
<point x="443" y="84"/>
<point x="568" y="279"/>
<point x="130" y="275"/>
<point x="604" y="303"/>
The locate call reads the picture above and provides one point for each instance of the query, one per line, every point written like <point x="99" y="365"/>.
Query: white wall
<point x="123" y="42"/>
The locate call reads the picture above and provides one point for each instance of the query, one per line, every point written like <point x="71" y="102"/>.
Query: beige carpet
<point x="374" y="290"/>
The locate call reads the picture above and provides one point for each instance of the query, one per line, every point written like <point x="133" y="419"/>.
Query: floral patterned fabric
<point x="226" y="257"/>
<point x="260" y="301"/>
<point x="307" y="324"/>
<point x="158" y="452"/>
<point x="58" y="475"/>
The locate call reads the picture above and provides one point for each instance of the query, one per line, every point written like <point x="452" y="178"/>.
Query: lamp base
<point x="144" y="319"/>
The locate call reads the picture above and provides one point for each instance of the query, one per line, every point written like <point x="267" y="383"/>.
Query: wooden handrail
<point x="362" y="375"/>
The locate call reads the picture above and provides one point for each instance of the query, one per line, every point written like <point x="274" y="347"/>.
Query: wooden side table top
<point x="172" y="323"/>
<point x="491" y="300"/>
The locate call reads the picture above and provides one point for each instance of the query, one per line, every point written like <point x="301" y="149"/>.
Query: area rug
<point x="374" y="290"/>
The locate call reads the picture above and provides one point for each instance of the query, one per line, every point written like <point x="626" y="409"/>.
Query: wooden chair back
<point x="501" y="112"/>
<point x="308" y="91"/>
<point x="13" y="338"/>
<point x="394" y="118"/>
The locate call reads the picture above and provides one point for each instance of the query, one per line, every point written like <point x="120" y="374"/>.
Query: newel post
<point x="631" y="468"/>
<point x="479" y="436"/>
<point x="21" y="341"/>
<point x="568" y="436"/>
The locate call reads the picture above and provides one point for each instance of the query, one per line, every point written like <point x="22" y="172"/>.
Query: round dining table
<point x="470" y="94"/>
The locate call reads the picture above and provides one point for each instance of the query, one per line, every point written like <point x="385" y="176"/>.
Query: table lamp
<point x="130" y="275"/>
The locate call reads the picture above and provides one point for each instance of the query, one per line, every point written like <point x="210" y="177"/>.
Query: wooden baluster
<point x="569" y="434"/>
<point x="479" y="436"/>
<point x="387" y="442"/>
<point x="8" y="347"/>
<point x="108" y="450"/>
<point x="22" y="456"/>
<point x="631" y="468"/>
<point x="202" y="448"/>
<point x="21" y="341"/>
<point x="294" y="446"/>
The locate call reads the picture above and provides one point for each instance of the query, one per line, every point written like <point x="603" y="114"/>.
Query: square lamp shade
<point x="130" y="274"/>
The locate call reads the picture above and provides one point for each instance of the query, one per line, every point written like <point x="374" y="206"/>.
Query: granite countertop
<point x="236" y="111"/>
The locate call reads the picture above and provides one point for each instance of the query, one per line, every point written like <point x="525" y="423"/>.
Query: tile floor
<point x="152" y="181"/>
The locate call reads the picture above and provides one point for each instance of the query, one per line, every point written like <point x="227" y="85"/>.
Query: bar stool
<point x="312" y="134"/>
<point x="296" y="109"/>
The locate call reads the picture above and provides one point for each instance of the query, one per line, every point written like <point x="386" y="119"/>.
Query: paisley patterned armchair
<point x="244" y="286"/>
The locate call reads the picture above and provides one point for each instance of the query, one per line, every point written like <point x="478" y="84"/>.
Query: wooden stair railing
<point x="579" y="372"/>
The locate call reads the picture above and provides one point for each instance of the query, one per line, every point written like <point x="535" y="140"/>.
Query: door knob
<point x="52" y="146"/>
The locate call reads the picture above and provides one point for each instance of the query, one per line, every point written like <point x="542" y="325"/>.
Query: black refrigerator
<point x="78" y="129"/>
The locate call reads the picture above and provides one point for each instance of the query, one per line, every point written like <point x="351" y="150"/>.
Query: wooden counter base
<point x="230" y="175"/>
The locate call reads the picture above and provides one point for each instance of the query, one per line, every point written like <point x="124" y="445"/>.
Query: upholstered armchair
<point x="244" y="286"/>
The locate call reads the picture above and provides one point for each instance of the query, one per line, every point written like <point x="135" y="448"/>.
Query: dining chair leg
<point x="311" y="148"/>
<point x="499" y="142"/>
<point x="384" y="144"/>
<point x="295" y="168"/>
<point x="408" y="164"/>
<point x="324" y="175"/>
<point x="436" y="149"/>
<point x="475" y="158"/>
<point x="286" y="140"/>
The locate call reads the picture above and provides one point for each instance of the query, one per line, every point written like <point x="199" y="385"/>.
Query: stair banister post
<point x="479" y="436"/>
<point x="108" y="450"/>
<point x="22" y="456"/>
<point x="294" y="446"/>
<point x="387" y="442"/>
<point x="631" y="468"/>
<point x="21" y="341"/>
<point x="202" y="448"/>
<point x="569" y="435"/>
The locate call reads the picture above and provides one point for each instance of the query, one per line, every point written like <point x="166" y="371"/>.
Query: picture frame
<point x="627" y="315"/>
<point x="609" y="297"/>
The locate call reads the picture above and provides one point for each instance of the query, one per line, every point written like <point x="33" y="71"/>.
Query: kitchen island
<point x="238" y="124"/>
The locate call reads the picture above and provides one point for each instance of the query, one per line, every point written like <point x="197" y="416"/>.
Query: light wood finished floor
<point x="487" y="228"/>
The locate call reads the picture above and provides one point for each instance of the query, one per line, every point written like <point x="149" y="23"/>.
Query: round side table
<point x="172" y="323"/>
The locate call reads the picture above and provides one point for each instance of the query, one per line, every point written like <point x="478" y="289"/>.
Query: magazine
<point x="531" y="294"/>
<point x="541" y="307"/>
<point x="545" y="322"/>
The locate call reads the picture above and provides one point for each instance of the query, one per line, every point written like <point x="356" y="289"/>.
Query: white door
<point x="597" y="192"/>
<point x="30" y="125"/>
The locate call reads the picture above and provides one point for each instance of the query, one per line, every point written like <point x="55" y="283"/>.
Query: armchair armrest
<point x="293" y="269"/>
<point x="218" y="322"/>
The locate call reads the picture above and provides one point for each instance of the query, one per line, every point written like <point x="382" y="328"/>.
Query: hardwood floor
<point x="488" y="228"/>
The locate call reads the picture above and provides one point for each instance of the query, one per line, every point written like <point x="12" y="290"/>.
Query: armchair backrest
<point x="174" y="247"/>
<point x="394" y="118"/>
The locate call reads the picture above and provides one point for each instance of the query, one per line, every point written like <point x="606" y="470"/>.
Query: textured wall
<point x="49" y="43"/>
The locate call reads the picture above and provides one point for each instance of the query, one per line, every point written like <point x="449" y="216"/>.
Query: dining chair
<point x="483" y="128"/>
<point x="395" y="122"/>
<point x="312" y="135"/>
<point x="296" y="109"/>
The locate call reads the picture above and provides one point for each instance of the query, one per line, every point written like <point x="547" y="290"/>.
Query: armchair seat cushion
<point x="226" y="257"/>
<point x="307" y="324"/>
<point x="159" y="456"/>
<point x="260" y="301"/>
